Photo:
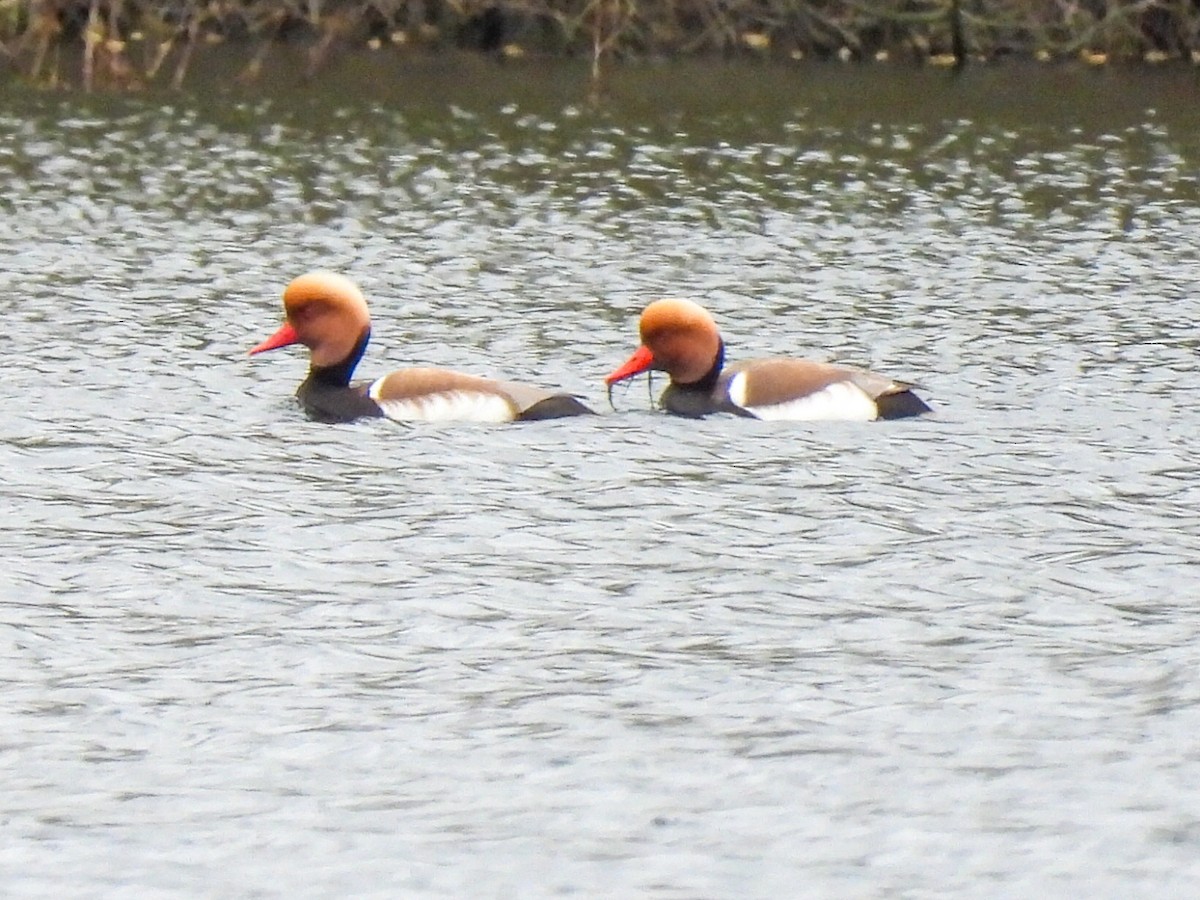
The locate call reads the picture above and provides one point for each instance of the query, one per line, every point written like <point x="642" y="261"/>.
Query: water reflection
<point x="247" y="651"/>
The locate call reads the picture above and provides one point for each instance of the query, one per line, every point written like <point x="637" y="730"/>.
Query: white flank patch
<point x="842" y="400"/>
<point x="446" y="406"/>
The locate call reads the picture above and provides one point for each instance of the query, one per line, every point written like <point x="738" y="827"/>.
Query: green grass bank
<point x="126" y="44"/>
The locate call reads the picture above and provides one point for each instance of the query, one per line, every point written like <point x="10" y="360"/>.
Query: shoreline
<point x="115" y="45"/>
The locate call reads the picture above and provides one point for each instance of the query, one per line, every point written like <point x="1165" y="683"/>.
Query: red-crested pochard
<point x="680" y="338"/>
<point x="327" y="313"/>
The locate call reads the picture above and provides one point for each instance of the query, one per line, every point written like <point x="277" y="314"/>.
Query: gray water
<point x="248" y="655"/>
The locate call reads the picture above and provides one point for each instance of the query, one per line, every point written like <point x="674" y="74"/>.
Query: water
<point x="249" y="655"/>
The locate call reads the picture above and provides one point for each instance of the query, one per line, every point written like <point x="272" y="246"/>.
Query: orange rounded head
<point x="679" y="337"/>
<point x="325" y="312"/>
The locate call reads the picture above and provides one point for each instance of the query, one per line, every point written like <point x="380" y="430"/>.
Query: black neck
<point x="709" y="380"/>
<point x="339" y="374"/>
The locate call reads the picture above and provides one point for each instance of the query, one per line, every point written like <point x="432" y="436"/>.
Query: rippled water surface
<point x="246" y="655"/>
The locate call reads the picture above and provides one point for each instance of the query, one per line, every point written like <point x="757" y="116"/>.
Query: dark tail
<point x="557" y="407"/>
<point x="901" y="405"/>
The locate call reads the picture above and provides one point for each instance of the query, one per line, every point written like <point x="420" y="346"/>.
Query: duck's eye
<point x="305" y="313"/>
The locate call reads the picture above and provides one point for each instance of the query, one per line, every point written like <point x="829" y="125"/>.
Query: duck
<point x="681" y="338"/>
<point x="328" y="314"/>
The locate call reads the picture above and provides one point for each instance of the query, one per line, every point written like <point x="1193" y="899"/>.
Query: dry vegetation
<point x="129" y="43"/>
